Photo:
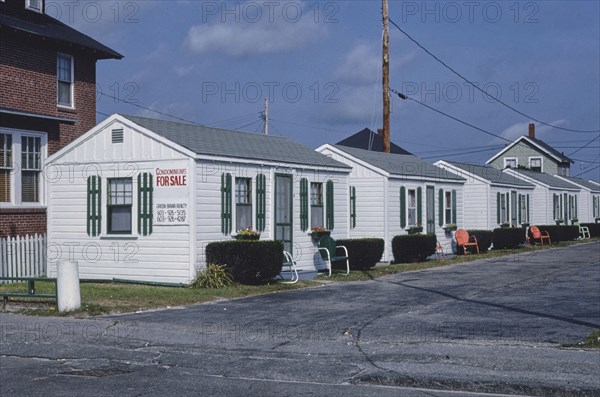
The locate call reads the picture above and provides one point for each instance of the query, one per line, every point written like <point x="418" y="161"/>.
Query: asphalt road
<point x="493" y="326"/>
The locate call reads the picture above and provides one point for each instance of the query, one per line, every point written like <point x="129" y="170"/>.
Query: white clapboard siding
<point x="23" y="256"/>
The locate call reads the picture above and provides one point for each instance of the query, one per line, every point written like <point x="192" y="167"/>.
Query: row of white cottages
<point x="139" y="198"/>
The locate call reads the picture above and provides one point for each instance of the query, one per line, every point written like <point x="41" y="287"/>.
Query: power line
<point x="308" y="126"/>
<point x="585" y="145"/>
<point x="402" y="96"/>
<point x="459" y="153"/>
<point x="482" y="90"/>
<point x="586" y="171"/>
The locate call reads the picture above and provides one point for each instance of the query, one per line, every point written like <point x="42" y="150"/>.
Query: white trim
<point x="577" y="184"/>
<point x="516" y="159"/>
<point x="468" y="175"/>
<point x="15" y="175"/>
<point x="61" y="105"/>
<point x="541" y="158"/>
<point x="525" y="138"/>
<point x="525" y="178"/>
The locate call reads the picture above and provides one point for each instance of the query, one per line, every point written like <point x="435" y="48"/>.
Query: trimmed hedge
<point x="484" y="241"/>
<point x="503" y="238"/>
<point x="594" y="229"/>
<point x="363" y="253"/>
<point x="249" y="262"/>
<point x="558" y="233"/>
<point x="413" y="247"/>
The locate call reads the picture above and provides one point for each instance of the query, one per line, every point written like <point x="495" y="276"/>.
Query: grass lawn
<point x="103" y="298"/>
<point x="590" y="341"/>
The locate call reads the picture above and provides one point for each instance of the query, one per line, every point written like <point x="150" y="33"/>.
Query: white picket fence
<point x="23" y="256"/>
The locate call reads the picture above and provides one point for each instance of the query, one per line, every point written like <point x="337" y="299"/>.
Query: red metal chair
<point x="464" y="240"/>
<point x="536" y="234"/>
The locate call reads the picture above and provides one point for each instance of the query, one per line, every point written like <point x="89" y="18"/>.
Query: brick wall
<point x="19" y="222"/>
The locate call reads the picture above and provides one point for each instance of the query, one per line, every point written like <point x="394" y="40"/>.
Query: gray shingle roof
<point x="219" y="142"/>
<point x="546" y="179"/>
<point x="400" y="164"/>
<point x="552" y="150"/>
<point x="366" y="138"/>
<point x="50" y="28"/>
<point x="582" y="182"/>
<point x="494" y="175"/>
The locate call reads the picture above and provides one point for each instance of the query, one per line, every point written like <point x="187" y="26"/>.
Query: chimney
<point x="380" y="131"/>
<point x="532" y="130"/>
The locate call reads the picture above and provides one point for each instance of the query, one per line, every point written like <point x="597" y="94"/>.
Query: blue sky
<point x="319" y="62"/>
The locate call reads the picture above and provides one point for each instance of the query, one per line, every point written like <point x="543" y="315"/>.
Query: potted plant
<point x="559" y="221"/>
<point x="247" y="234"/>
<point x="414" y="229"/>
<point x="525" y="224"/>
<point x="318" y="231"/>
<point x="574" y="221"/>
<point x="450" y="227"/>
<point x="505" y="225"/>
<point x="597" y="219"/>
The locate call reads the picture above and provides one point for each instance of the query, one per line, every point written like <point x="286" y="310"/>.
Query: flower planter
<point x="574" y="221"/>
<point x="525" y="225"/>
<point x="415" y="229"/>
<point x="450" y="229"/>
<point x="597" y="220"/>
<point x="504" y="225"/>
<point x="559" y="222"/>
<point x="247" y="237"/>
<point x="316" y="236"/>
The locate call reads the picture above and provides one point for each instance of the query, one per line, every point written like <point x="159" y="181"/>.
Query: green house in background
<point x="531" y="153"/>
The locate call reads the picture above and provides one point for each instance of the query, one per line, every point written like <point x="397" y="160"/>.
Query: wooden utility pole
<point x="266" y="115"/>
<point x="386" y="79"/>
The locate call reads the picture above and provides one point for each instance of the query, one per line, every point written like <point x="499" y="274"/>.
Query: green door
<point x="284" y="210"/>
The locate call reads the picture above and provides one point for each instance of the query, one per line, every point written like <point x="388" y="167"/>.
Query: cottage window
<point x="243" y="204"/>
<point x="120" y="201"/>
<point x="503" y="209"/>
<point x="535" y="164"/>
<point x="64" y="75"/>
<point x="34" y="5"/>
<point x="316" y="204"/>
<point x="412" y="207"/>
<point x="510" y="162"/>
<point x="523" y="212"/>
<point x="448" y="207"/>
<point x="31" y="168"/>
<point x="6" y="165"/>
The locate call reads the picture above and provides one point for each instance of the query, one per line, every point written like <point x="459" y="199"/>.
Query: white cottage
<point x="492" y="197"/>
<point x="553" y="199"/>
<point x="139" y="198"/>
<point x="390" y="192"/>
<point x="588" y="199"/>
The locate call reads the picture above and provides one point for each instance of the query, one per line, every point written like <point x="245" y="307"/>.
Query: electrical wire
<point x="482" y="90"/>
<point x="584" y="146"/>
<point x="459" y="153"/>
<point x="402" y="96"/>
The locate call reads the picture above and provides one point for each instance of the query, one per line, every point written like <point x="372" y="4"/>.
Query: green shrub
<point x="559" y="233"/>
<point x="363" y="253"/>
<point x="594" y="229"/>
<point x="413" y="247"/>
<point x="214" y="276"/>
<point x="503" y="238"/>
<point x="484" y="241"/>
<point x="249" y="262"/>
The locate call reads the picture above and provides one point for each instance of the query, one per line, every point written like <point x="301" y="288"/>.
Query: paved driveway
<point x="487" y="326"/>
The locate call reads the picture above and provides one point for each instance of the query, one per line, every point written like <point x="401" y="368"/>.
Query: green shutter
<point x="565" y="208"/>
<point x="419" y="206"/>
<point x="554" y="202"/>
<point x="454" y="206"/>
<point x="94" y="205"/>
<point x="575" y="202"/>
<point x="145" y="193"/>
<point x="498" y="220"/>
<point x="304" y="204"/>
<point x="261" y="202"/>
<point x="402" y="207"/>
<point x="352" y="207"/>
<point x="226" y="203"/>
<point x="519" y="202"/>
<point x="330" y="206"/>
<point x="441" y="207"/>
<point x="528" y="218"/>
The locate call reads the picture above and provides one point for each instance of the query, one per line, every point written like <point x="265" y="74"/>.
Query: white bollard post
<point x="67" y="286"/>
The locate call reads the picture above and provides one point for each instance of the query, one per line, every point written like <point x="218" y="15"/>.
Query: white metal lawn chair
<point x="290" y="264"/>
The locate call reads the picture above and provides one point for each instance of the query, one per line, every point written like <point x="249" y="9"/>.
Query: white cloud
<point x="243" y="38"/>
<point x="519" y="129"/>
<point x="362" y="64"/>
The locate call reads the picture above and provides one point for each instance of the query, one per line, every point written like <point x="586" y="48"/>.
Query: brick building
<point x="47" y="99"/>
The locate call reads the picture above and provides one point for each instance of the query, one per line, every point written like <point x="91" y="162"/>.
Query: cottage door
<point x="283" y="210"/>
<point x="513" y="208"/>
<point x="430" y="209"/>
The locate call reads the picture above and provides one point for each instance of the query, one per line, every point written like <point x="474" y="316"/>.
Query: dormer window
<point x="535" y="164"/>
<point x="34" y="5"/>
<point x="510" y="162"/>
<point x="64" y="79"/>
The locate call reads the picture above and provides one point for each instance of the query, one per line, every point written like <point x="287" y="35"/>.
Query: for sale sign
<point x="171" y="196"/>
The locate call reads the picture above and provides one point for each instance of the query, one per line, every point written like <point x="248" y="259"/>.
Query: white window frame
<point x="506" y="159"/>
<point x="61" y="105"/>
<point x="537" y="158"/>
<point x="448" y="207"/>
<point x="524" y="209"/>
<point x="29" y="6"/>
<point x="504" y="212"/>
<point x="312" y="204"/>
<point x="15" y="175"/>
<point x="250" y="202"/>
<point x="409" y="208"/>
